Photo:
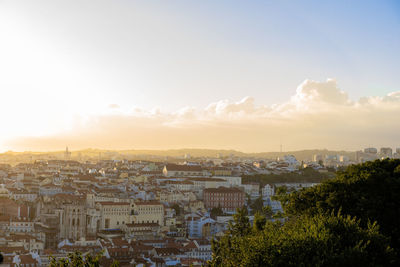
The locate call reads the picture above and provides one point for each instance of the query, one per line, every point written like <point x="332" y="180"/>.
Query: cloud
<point x="313" y="92"/>
<point x="318" y="115"/>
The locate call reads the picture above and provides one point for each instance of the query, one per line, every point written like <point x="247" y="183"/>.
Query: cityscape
<point x="235" y="133"/>
<point x="154" y="213"/>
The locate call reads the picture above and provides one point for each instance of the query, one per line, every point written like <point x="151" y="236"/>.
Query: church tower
<point x="67" y="154"/>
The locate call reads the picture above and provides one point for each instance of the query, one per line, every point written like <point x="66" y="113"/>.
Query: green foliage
<point x="281" y="190"/>
<point x="78" y="260"/>
<point x="321" y="240"/>
<point x="351" y="220"/>
<point x="267" y="212"/>
<point x="259" y="221"/>
<point x="257" y="205"/>
<point x="216" y="212"/>
<point x="241" y="224"/>
<point x="306" y="175"/>
<point x="369" y="191"/>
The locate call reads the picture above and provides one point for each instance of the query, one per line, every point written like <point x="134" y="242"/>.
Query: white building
<point x="114" y="214"/>
<point x="268" y="191"/>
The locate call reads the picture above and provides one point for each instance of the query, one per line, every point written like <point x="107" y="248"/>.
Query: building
<point x="221" y="171"/>
<point x="21" y="226"/>
<point x="228" y="199"/>
<point x="148" y="212"/>
<point x="370" y="150"/>
<point x="73" y="220"/>
<point x="386" y="152"/>
<point x="363" y="157"/>
<point x="113" y="215"/>
<point x="231" y="180"/>
<point x="199" y="249"/>
<point x="201" y="183"/>
<point x="317" y="158"/>
<point x="199" y="226"/>
<point x="141" y="231"/>
<point x="252" y="189"/>
<point x="267" y="191"/>
<point x="22" y="194"/>
<point x="174" y="170"/>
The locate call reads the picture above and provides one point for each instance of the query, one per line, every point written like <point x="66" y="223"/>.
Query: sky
<point x="243" y="75"/>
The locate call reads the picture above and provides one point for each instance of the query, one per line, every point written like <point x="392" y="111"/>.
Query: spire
<point x="67" y="154"/>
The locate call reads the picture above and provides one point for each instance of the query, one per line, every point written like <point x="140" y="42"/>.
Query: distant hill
<point x="194" y="153"/>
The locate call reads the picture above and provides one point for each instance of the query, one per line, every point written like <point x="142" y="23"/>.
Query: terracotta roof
<point x="27" y="259"/>
<point x="167" y="251"/>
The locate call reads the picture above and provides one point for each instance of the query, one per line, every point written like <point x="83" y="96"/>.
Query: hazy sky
<point x="223" y="74"/>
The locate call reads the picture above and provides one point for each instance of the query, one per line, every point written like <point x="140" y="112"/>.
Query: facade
<point x="199" y="227"/>
<point x="268" y="191"/>
<point x="174" y="170"/>
<point x="228" y="199"/>
<point x="221" y="171"/>
<point x="73" y="220"/>
<point x="386" y="152"/>
<point x="370" y="150"/>
<point x="21" y="226"/>
<point x="252" y="189"/>
<point x="141" y="231"/>
<point x="114" y="214"/>
<point x="232" y="180"/>
<point x="148" y="212"/>
<point x="21" y="194"/>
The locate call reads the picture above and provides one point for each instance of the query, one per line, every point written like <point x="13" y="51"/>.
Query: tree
<point x="369" y="191"/>
<point x="353" y="219"/>
<point x="259" y="221"/>
<point x="241" y="224"/>
<point x="216" y="212"/>
<point x="257" y="205"/>
<point x="78" y="260"/>
<point x="304" y="175"/>
<point x="321" y="163"/>
<point x="320" y="240"/>
<point x="267" y="212"/>
<point x="281" y="190"/>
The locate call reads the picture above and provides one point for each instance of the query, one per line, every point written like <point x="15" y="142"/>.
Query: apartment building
<point x="114" y="214"/>
<point x="148" y="212"/>
<point x="228" y="199"/>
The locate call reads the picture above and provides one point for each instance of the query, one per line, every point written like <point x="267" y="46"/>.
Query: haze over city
<point x="154" y="133"/>
<point x="226" y="75"/>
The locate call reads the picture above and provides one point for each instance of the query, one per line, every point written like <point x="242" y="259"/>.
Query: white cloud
<point x="319" y="115"/>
